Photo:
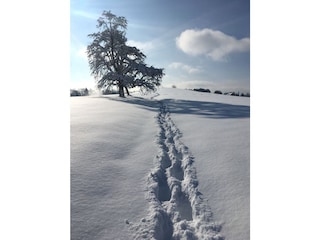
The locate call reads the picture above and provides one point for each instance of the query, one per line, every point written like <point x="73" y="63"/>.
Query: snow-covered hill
<point x="169" y="165"/>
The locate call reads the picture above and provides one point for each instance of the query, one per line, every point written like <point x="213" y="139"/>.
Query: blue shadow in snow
<point x="200" y="108"/>
<point x="207" y="109"/>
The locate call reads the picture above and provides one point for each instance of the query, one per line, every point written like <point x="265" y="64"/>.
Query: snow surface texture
<point x="177" y="207"/>
<point x="118" y="192"/>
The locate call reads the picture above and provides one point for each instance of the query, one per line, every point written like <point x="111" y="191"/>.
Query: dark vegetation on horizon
<point x="219" y="92"/>
<point x="108" y="91"/>
<point x="80" y="92"/>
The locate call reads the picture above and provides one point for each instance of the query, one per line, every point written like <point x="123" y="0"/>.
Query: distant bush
<point x="174" y="86"/>
<point x="79" y="92"/>
<point x="217" y="92"/>
<point x="202" y="90"/>
<point x="237" y="94"/>
<point x="74" y="93"/>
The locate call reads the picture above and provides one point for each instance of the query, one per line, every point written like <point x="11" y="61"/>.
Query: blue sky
<point x="203" y="43"/>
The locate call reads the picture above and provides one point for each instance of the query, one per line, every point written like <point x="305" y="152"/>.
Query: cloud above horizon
<point x="85" y="14"/>
<point x="212" y="43"/>
<point x="185" y="67"/>
<point x="144" y="46"/>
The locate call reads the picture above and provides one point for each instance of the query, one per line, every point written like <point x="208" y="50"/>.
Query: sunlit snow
<point x="168" y="165"/>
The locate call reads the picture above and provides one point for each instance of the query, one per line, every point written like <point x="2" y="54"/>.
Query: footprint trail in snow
<point x="177" y="208"/>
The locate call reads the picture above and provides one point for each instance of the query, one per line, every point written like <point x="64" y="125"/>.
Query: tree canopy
<point x="114" y="63"/>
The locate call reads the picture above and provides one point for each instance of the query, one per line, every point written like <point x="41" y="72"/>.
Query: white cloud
<point x="185" y="67"/>
<point x="85" y="14"/>
<point x="214" y="44"/>
<point x="143" y="46"/>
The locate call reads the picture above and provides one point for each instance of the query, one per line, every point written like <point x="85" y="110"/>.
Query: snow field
<point x="111" y="144"/>
<point x="216" y="128"/>
<point x="177" y="208"/>
<point x="169" y="165"/>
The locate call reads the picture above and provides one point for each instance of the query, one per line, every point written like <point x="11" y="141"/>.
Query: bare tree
<point x="114" y="63"/>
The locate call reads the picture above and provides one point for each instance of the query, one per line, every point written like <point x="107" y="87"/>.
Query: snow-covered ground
<point x="170" y="165"/>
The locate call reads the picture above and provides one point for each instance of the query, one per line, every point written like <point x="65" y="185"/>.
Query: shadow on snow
<point x="200" y="108"/>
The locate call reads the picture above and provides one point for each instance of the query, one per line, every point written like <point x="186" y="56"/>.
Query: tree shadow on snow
<point x="200" y="108"/>
<point x="207" y="109"/>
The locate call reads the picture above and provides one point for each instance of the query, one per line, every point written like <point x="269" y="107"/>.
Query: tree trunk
<point x="121" y="91"/>
<point x="127" y="91"/>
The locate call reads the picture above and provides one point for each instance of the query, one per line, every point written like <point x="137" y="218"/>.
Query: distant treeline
<point x="79" y="92"/>
<point x="86" y="92"/>
<point x="219" y="92"/>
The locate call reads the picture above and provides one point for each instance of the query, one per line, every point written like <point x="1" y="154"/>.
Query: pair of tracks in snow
<point x="177" y="208"/>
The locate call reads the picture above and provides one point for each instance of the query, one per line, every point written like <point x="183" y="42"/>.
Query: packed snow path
<point x="177" y="208"/>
